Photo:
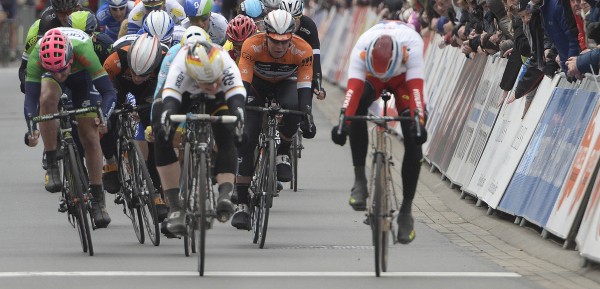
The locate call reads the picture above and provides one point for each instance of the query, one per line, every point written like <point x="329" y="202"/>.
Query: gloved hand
<point x="422" y="138"/>
<point x="30" y="140"/>
<point x="148" y="134"/>
<point x="339" y="139"/>
<point x="241" y="138"/>
<point x="166" y="126"/>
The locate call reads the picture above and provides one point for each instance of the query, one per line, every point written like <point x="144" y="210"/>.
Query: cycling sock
<point x="172" y="199"/>
<point x="242" y="193"/>
<point x="284" y="147"/>
<point x="225" y="188"/>
<point x="97" y="192"/>
<point x="359" y="174"/>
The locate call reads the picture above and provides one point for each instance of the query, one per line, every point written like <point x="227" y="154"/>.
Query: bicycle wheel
<point x="128" y="170"/>
<point x="79" y="197"/>
<point x="145" y="193"/>
<point x="294" y="150"/>
<point x="267" y="196"/>
<point x="378" y="216"/>
<point x="258" y="185"/>
<point x="201" y="220"/>
<point x="187" y="186"/>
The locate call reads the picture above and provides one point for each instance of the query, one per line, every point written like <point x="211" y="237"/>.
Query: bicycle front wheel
<point x="203" y="218"/>
<point x="128" y="170"/>
<point x="78" y="197"/>
<point x="295" y="153"/>
<point x="379" y="215"/>
<point x="270" y="187"/>
<point x="187" y="187"/>
<point x="145" y="194"/>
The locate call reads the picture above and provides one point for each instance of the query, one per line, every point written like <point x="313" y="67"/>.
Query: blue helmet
<point x="252" y="8"/>
<point x="159" y="24"/>
<point x="117" y="3"/>
<point x="195" y="8"/>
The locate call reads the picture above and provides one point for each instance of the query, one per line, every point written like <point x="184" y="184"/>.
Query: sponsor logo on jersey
<point x="228" y="77"/>
<point x="296" y="51"/>
<point x="177" y="13"/>
<point x="257" y="48"/>
<point x="138" y="16"/>
<point x="179" y="79"/>
<point x="405" y="97"/>
<point x="306" y="31"/>
<point x="307" y="61"/>
<point x="247" y="55"/>
<point x="347" y="98"/>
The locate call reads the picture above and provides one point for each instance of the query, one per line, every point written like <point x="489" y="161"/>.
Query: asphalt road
<point x="314" y="238"/>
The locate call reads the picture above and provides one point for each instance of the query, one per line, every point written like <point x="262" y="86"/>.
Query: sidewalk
<point x="518" y="249"/>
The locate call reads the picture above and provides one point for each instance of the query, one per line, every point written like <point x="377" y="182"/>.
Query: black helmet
<point x="64" y="5"/>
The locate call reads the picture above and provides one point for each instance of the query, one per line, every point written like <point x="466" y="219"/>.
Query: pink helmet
<point x="56" y="51"/>
<point x="240" y="28"/>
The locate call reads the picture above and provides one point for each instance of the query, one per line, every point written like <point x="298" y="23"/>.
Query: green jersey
<point x="32" y="38"/>
<point x="84" y="57"/>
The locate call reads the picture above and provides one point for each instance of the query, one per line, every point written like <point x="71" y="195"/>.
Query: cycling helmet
<point x="382" y="57"/>
<point x="279" y="25"/>
<point x="240" y="28"/>
<point x="117" y="3"/>
<point x="160" y="25"/>
<point x="56" y="51"/>
<point x="204" y="62"/>
<point x="271" y="4"/>
<point x="83" y="20"/>
<point x="295" y="7"/>
<point x="144" y="55"/>
<point x="194" y="34"/>
<point x="64" y="5"/>
<point x="252" y="8"/>
<point x="195" y="8"/>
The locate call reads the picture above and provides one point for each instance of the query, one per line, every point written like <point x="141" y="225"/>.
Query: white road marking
<point x="257" y="274"/>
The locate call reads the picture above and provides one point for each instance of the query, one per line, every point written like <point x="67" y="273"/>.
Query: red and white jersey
<point x="410" y="41"/>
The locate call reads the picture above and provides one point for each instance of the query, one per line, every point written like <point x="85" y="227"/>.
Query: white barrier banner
<point x="576" y="185"/>
<point x="494" y="189"/>
<point x="472" y="133"/>
<point x="588" y="236"/>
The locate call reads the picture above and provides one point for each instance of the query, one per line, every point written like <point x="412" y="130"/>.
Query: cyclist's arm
<point x="30" y="41"/>
<point x="415" y="74"/>
<point x="356" y="80"/>
<point x="305" y="74"/>
<point x="313" y="40"/>
<point x="247" y="59"/>
<point x="112" y="65"/>
<point x="99" y="76"/>
<point x="164" y="69"/>
<point x="232" y="84"/>
<point x="32" y="85"/>
<point x="135" y="18"/>
<point x="175" y="10"/>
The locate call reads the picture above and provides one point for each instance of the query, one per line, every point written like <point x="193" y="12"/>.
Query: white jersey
<point x="137" y="15"/>
<point x="178" y="32"/>
<point x="409" y="40"/>
<point x="178" y="81"/>
<point x="217" y="29"/>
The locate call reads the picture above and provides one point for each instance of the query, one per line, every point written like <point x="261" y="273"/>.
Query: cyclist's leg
<point x="85" y="95"/>
<point x="49" y="98"/>
<point x="359" y="144"/>
<point x="287" y="96"/>
<point x="411" y="163"/>
<point x="169" y="170"/>
<point x="226" y="162"/>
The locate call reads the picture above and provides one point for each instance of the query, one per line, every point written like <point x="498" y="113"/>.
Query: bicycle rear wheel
<point x="79" y="198"/>
<point x="270" y="187"/>
<point x="379" y="216"/>
<point x="145" y="193"/>
<point x="201" y="221"/>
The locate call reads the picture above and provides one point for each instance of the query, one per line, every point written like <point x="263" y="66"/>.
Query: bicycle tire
<point x="128" y="172"/>
<point x="73" y="209"/>
<point x="186" y="187"/>
<point x="80" y="193"/>
<point x="147" y="206"/>
<point x="201" y="221"/>
<point x="377" y="215"/>
<point x="256" y="212"/>
<point x="294" y="159"/>
<point x="269" y="192"/>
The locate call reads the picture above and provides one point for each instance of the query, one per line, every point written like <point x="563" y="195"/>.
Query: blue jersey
<point x="164" y="68"/>
<point x="108" y="24"/>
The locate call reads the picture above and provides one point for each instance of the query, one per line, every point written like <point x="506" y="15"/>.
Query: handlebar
<point x="64" y="114"/>
<point x="127" y="108"/>
<point x="203" y="117"/>
<point x="275" y="110"/>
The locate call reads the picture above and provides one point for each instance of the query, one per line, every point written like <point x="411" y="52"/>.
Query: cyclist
<point x="65" y="58"/>
<point x="238" y="30"/>
<point x="111" y="14"/>
<point x="160" y="25"/>
<point x="199" y="14"/>
<point x="198" y="67"/>
<point x="387" y="56"/>
<point x="133" y="70"/>
<point x="54" y="16"/>
<point x="307" y="30"/>
<point x="253" y="9"/>
<point x="87" y="22"/>
<point x="274" y="64"/>
<point x="140" y="11"/>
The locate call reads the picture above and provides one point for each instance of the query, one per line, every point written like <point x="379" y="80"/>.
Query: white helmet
<point x="279" y="25"/>
<point x="159" y="24"/>
<point x="271" y="4"/>
<point x="144" y="55"/>
<point x="204" y="62"/>
<point x="295" y="7"/>
<point x="194" y="34"/>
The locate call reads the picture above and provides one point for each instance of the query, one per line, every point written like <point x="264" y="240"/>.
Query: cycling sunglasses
<point x="154" y="5"/>
<point x="117" y="8"/>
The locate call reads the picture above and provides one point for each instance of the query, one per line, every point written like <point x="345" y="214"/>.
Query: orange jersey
<point x="296" y="63"/>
